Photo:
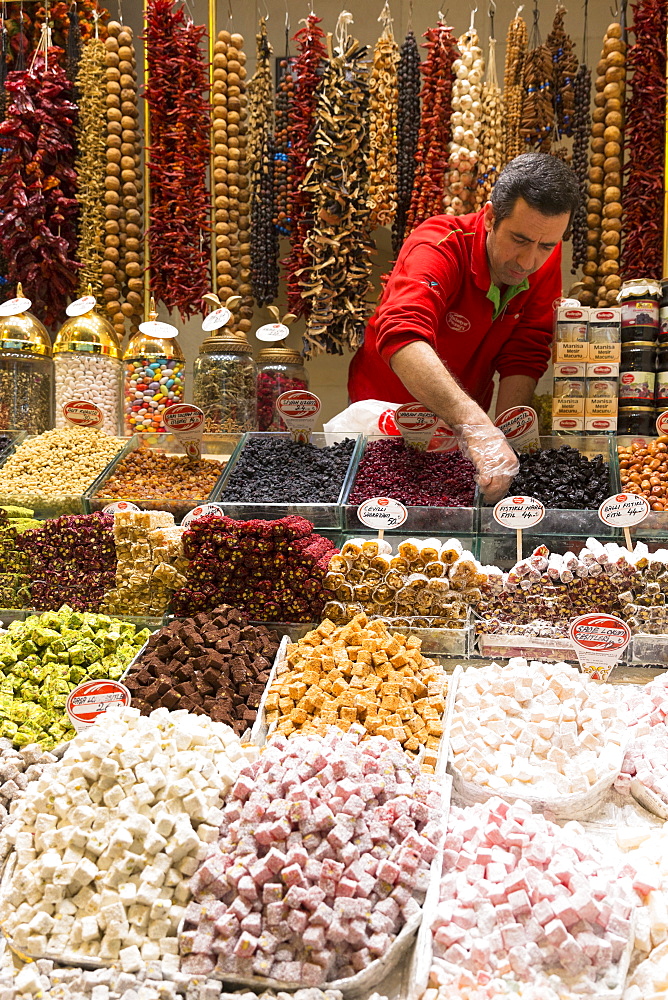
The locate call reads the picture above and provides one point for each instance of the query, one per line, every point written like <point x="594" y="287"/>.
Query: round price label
<point x="624" y="510"/>
<point x="517" y="422"/>
<point x="216" y="319"/>
<point x="15" y="306"/>
<point x="81" y="306"/>
<point x="443" y="439"/>
<point x="204" y="510"/>
<point x="272" y="332"/>
<point x="92" y="698"/>
<point x="382" y="513"/>
<point x="119" y="506"/>
<point x="82" y="413"/>
<point x="298" y="404"/>
<point x="183" y="417"/>
<point x="519" y="512"/>
<point x="387" y="424"/>
<point x="161" y="331"/>
<point x="414" y="417"/>
<point x="662" y="423"/>
<point x="599" y="633"/>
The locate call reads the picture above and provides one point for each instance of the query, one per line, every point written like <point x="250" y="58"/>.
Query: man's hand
<point x="495" y="461"/>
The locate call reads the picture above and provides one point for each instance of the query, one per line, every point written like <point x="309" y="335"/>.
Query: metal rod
<point x="212" y="183"/>
<point x="147" y="178"/>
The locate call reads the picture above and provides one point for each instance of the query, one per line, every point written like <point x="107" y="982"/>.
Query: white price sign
<point x="119" y="506"/>
<point x="599" y="642"/>
<point x="416" y="423"/>
<point x="519" y="512"/>
<point x="624" y="510"/>
<point x="271" y="332"/>
<point x="216" y="319"/>
<point x="82" y="413"/>
<point x="81" y="306"/>
<point x="15" y="306"/>
<point x="520" y="426"/>
<point x="187" y="422"/>
<point x="160" y="331"/>
<point x="299" y="409"/>
<point x="382" y="513"/>
<point x="204" y="510"/>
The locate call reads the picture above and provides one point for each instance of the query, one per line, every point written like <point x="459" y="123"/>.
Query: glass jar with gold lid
<point x="279" y="369"/>
<point x="224" y="383"/>
<point x="26" y="368"/>
<point x="154" y="375"/>
<point x="87" y="364"/>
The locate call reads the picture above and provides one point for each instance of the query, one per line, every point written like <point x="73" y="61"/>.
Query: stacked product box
<point x="586" y="369"/>
<point x="602" y="371"/>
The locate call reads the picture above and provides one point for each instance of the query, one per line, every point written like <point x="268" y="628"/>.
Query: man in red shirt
<point x="469" y="296"/>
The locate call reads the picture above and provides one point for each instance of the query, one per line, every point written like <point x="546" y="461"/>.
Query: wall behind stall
<point x="328" y="374"/>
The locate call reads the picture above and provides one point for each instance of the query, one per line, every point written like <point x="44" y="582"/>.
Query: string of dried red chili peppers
<point x="435" y="130"/>
<point x="178" y="158"/>
<point x="308" y="70"/>
<point x="38" y="208"/>
<point x="642" y="204"/>
<point x="408" y="130"/>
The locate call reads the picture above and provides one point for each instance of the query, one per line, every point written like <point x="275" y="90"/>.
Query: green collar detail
<point x="494" y="295"/>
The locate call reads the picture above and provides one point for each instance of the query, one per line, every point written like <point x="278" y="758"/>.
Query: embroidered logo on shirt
<point x="458" y="322"/>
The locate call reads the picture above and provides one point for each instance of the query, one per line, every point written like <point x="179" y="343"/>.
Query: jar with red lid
<point x="279" y="369"/>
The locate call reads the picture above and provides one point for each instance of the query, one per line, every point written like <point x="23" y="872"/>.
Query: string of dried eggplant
<point x="91" y="164"/>
<point x="308" y="71"/>
<point x="491" y="156"/>
<point x="230" y="175"/>
<point x="383" y="109"/>
<point x="435" y="128"/>
<point x="565" y="67"/>
<point x="408" y="130"/>
<point x="581" y="130"/>
<point x="513" y="85"/>
<point x="336" y="280"/>
<point x="465" y="123"/>
<point x="537" y="122"/>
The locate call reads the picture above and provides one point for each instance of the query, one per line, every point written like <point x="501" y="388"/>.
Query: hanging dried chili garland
<point x="492" y="146"/>
<point x="466" y="125"/>
<point x="644" y="146"/>
<point x="435" y="129"/>
<point x="513" y="85"/>
<point x="38" y="208"/>
<point x="336" y="280"/>
<point x="264" y="241"/>
<point x="308" y="73"/>
<point x="179" y="153"/>
<point x="383" y="108"/>
<point x="91" y="164"/>
<point x="408" y="130"/>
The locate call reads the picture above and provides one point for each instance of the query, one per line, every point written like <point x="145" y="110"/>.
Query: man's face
<point x="522" y="242"/>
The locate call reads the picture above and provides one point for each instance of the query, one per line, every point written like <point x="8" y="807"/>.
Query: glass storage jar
<point x="26" y="373"/>
<point x="640" y="300"/>
<point x="224" y="384"/>
<point x="153" y="381"/>
<point x="279" y="369"/>
<point x="87" y="365"/>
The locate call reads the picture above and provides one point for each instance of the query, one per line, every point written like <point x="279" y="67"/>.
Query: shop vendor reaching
<point x="469" y="296"/>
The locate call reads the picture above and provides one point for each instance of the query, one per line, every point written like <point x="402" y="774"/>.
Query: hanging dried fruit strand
<point x="565" y="67"/>
<point x="264" y="241"/>
<point x="513" y="84"/>
<point x="537" y="121"/>
<point x="460" y="181"/>
<point x="581" y="127"/>
<point x="91" y="164"/>
<point x="408" y="130"/>
<point x="264" y="247"/>
<point x="180" y="124"/>
<point x="492" y="144"/>
<point x="38" y="207"/>
<point x="383" y="109"/>
<point x="284" y="98"/>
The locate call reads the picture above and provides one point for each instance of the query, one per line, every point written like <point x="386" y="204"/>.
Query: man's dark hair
<point x="546" y="184"/>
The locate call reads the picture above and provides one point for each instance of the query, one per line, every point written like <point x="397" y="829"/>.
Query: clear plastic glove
<point x="495" y="461"/>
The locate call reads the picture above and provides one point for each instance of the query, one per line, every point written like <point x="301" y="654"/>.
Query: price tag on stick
<point x="623" y="511"/>
<point x="119" y="506"/>
<point x="204" y="510"/>
<point x="299" y="409"/>
<point x="417" y="424"/>
<point x="662" y="423"/>
<point x="599" y="642"/>
<point x="518" y="513"/>
<point x="91" y="699"/>
<point x="81" y="413"/>
<point x="187" y="422"/>
<point x="382" y="514"/>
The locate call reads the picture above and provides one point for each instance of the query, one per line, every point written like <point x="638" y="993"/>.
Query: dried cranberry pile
<point x="416" y="478"/>
<point x="563" y="478"/>
<point x="274" y="570"/>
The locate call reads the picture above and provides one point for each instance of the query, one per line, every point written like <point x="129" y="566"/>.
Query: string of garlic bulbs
<point x="466" y="125"/>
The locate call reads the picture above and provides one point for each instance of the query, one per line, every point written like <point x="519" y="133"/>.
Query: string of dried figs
<point x="466" y="125"/>
<point x="91" y="164"/>
<point x="431" y="157"/>
<point x="284" y="96"/>
<point x="565" y="67"/>
<point x="537" y="122"/>
<point x="513" y="85"/>
<point x="383" y="107"/>
<point x="581" y="129"/>
<point x="644" y="134"/>
<point x="408" y="130"/>
<point x="491" y="155"/>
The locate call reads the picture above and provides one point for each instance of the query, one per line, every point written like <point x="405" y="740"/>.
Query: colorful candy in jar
<point x="150" y="388"/>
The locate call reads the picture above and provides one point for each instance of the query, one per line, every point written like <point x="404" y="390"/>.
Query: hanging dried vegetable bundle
<point x="435" y="130"/>
<point x="74" y="49"/>
<point x="122" y="267"/>
<point x="264" y="243"/>
<point x="565" y="67"/>
<point x="466" y="125"/>
<point x="644" y="146"/>
<point x="179" y="151"/>
<point x="491" y="157"/>
<point x="604" y="210"/>
<point x="383" y="109"/>
<point x="513" y="84"/>
<point x="408" y="130"/>
<point x="581" y="127"/>
<point x="308" y="71"/>
<point x="537" y="121"/>
<point x="230" y="175"/>
<point x="38" y="208"/>
<point x="284" y="98"/>
<point x="91" y="164"/>
<point x="336" y="281"/>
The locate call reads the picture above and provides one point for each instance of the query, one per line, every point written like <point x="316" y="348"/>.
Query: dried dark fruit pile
<point x="563" y="477"/>
<point x="285" y="471"/>
<point x="416" y="478"/>
<point x="408" y="130"/>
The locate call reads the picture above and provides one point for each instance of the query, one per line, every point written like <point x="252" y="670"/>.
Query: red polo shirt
<point x="440" y="291"/>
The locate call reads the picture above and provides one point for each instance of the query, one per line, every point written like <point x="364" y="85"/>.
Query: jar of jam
<point x="639" y="300"/>
<point x="279" y="369"/>
<point x="639" y="421"/>
<point x="661" y="392"/>
<point x="637" y="373"/>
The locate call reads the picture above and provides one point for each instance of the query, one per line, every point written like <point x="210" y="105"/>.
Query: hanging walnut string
<point x="408" y="130"/>
<point x="284" y="97"/>
<point x="465" y="123"/>
<point x="308" y="72"/>
<point x="537" y="122"/>
<point x="513" y="85"/>
<point x="492" y="145"/>
<point x="383" y="108"/>
<point x="581" y="128"/>
<point x="435" y="129"/>
<point x="565" y="67"/>
<point x="91" y="164"/>
<point x="337" y="279"/>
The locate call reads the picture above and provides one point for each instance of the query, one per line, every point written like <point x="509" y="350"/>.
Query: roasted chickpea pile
<point x="644" y="470"/>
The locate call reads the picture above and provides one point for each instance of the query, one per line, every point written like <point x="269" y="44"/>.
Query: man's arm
<point x="426" y="377"/>
<point x="514" y="390"/>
